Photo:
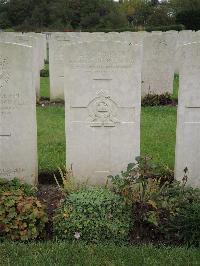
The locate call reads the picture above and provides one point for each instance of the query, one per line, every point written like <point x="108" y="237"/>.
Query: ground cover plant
<point x="93" y="215"/>
<point x="22" y="215"/>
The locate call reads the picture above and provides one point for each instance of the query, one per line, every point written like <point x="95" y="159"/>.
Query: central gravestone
<point x="103" y="103"/>
<point x="18" y="132"/>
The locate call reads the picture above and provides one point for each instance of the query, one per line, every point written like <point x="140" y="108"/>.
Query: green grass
<point x="158" y="132"/>
<point x="176" y="87"/>
<point x="51" y="138"/>
<point x="44" y="85"/>
<point x="62" y="253"/>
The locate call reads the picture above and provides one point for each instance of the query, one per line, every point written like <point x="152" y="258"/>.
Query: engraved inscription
<point x="4" y="72"/>
<point x="10" y="102"/>
<point x="102" y="60"/>
<point x="10" y="172"/>
<point x="103" y="112"/>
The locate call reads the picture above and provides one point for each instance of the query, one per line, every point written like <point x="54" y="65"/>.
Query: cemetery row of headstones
<point x="160" y="59"/>
<point x="102" y="85"/>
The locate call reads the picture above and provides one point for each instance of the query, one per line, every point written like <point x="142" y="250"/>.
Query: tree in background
<point x="187" y="12"/>
<point x="4" y="20"/>
<point x="161" y="15"/>
<point x="59" y="15"/>
<point x="189" y="18"/>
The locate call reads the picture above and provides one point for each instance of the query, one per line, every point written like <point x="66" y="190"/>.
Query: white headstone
<point x="41" y="47"/>
<point x="103" y="102"/>
<point x="158" y="63"/>
<point x="30" y="41"/>
<point x="18" y="133"/>
<point x="56" y="62"/>
<point x="188" y="125"/>
<point x="184" y="37"/>
<point x="56" y="67"/>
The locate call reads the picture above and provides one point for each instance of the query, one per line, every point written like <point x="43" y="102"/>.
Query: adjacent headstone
<point x="18" y="134"/>
<point x="158" y="63"/>
<point x="103" y="102"/>
<point x="56" y="67"/>
<point x="25" y="39"/>
<point x="57" y="45"/>
<point x="184" y="37"/>
<point x="41" y="47"/>
<point x="33" y="42"/>
<point x="188" y="125"/>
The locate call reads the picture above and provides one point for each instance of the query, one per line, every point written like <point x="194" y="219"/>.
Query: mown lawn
<point x="62" y="253"/>
<point x="44" y="85"/>
<point x="51" y="138"/>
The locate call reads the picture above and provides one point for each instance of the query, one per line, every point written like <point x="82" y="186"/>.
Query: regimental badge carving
<point x="4" y="73"/>
<point x="103" y="112"/>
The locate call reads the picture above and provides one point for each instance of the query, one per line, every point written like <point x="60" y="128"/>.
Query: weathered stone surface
<point x="184" y="37"/>
<point x="158" y="63"/>
<point x="41" y="47"/>
<point x="57" y="44"/>
<point x="18" y="134"/>
<point x="35" y="43"/>
<point x="56" y="53"/>
<point x="25" y="39"/>
<point x="102" y="99"/>
<point x="56" y="67"/>
<point x="188" y="125"/>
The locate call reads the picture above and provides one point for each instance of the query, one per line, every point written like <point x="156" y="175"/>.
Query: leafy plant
<point x="186" y="224"/>
<point x="92" y="215"/>
<point x="140" y="182"/>
<point x="183" y="205"/>
<point x="22" y="217"/>
<point x="16" y="184"/>
<point x="156" y="201"/>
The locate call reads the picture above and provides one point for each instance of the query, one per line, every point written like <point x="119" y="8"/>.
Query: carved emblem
<point x="103" y="112"/>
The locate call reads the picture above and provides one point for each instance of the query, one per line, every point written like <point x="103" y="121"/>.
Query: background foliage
<point x="66" y="15"/>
